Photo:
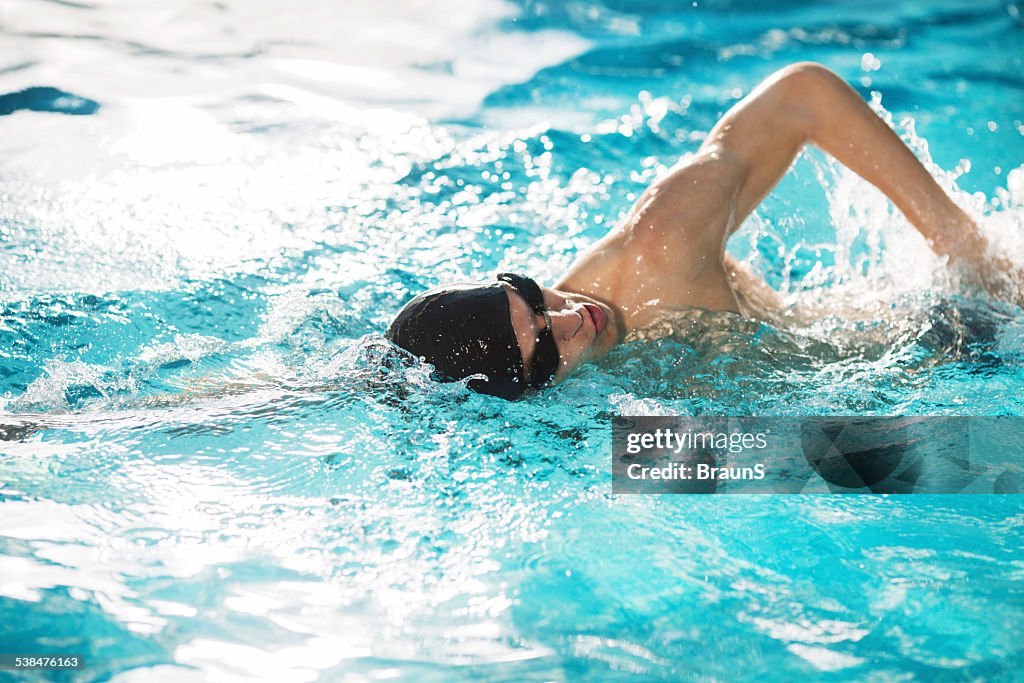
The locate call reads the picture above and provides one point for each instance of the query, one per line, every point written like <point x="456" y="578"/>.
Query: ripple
<point x="47" y="99"/>
<point x="218" y="464"/>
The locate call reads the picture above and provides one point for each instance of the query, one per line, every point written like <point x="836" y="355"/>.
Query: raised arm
<point x="807" y="103"/>
<point x="669" y="250"/>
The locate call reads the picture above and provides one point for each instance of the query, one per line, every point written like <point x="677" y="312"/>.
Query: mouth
<point x="597" y="317"/>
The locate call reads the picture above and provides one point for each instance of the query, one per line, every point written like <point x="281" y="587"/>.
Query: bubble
<point x="868" y="62"/>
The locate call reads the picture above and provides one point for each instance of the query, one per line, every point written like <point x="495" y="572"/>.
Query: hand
<point x="999" y="277"/>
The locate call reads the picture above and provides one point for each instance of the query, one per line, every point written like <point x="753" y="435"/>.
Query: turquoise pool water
<point x="215" y="469"/>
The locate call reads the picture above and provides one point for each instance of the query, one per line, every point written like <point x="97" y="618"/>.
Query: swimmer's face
<point x="584" y="330"/>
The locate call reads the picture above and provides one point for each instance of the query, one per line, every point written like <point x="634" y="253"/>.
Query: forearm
<point x="807" y="103"/>
<point x="842" y="124"/>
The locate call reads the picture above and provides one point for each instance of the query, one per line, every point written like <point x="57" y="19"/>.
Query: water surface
<point x="215" y="468"/>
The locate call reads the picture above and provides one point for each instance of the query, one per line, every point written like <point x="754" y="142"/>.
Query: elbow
<point x="807" y="82"/>
<point x="809" y="90"/>
<point x="807" y="71"/>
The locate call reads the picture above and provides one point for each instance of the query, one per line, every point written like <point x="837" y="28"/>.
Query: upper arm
<point x="776" y="116"/>
<point x="762" y="133"/>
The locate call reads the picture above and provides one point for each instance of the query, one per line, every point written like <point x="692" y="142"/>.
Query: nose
<point x="568" y="321"/>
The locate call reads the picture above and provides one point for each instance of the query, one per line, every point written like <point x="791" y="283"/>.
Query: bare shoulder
<point x="667" y="250"/>
<point x="692" y="205"/>
<point x="677" y="226"/>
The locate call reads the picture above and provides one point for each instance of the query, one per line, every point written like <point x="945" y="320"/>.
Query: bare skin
<point x="668" y="253"/>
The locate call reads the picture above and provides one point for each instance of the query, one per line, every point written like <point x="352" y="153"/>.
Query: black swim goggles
<point x="545" y="355"/>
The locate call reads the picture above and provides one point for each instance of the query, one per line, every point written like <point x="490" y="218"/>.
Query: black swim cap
<point x="464" y="330"/>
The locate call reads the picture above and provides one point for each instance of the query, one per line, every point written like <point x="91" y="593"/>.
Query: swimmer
<point x="668" y="253"/>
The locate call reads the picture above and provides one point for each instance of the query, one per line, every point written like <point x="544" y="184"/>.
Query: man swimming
<point x="668" y="253"/>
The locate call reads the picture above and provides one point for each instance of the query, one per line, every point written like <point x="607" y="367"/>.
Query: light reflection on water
<point x="218" y="464"/>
